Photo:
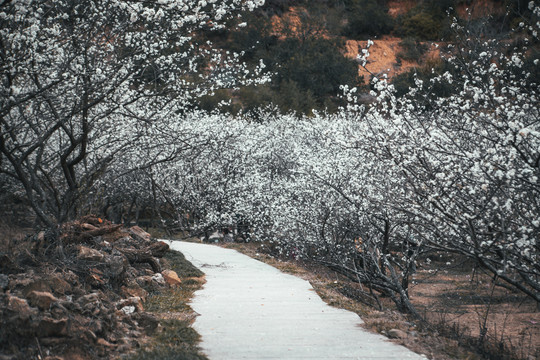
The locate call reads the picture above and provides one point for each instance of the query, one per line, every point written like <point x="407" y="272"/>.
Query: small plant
<point x="412" y="49"/>
<point x="367" y="18"/>
<point x="176" y="341"/>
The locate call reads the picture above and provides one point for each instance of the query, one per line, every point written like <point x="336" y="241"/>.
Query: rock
<point x="89" y="300"/>
<point x="397" y="334"/>
<point x="37" y="284"/>
<point x="135" y="290"/>
<point x="159" y="248"/>
<point x="158" y="278"/>
<point x="89" y="254"/>
<point x="58" y="310"/>
<point x="42" y="300"/>
<point x="116" y="265"/>
<point x="148" y="322"/>
<point x="171" y="277"/>
<point x="134" y="302"/>
<point x="4" y="281"/>
<point x="139" y="234"/>
<point x="69" y="305"/>
<point x="21" y="280"/>
<point x="59" y="285"/>
<point x="87" y="226"/>
<point x="95" y="277"/>
<point x="51" y="327"/>
<point x="128" y="309"/>
<point x="103" y="342"/>
<point x="144" y="281"/>
<point x="132" y="274"/>
<point x="70" y="277"/>
<point x="21" y="307"/>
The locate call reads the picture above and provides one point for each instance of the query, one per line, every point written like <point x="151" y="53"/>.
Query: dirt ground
<point x="467" y="300"/>
<point x="383" y="57"/>
<point x="446" y="292"/>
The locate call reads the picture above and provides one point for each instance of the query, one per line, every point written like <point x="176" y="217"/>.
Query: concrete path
<point x="250" y="310"/>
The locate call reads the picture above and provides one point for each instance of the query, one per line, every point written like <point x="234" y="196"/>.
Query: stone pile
<point x="78" y="292"/>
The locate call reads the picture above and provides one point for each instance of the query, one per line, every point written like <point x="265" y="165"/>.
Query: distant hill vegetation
<point x="311" y="46"/>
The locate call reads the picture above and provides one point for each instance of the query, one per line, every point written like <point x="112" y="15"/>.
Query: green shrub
<point x="308" y="67"/>
<point x="367" y="18"/>
<point x="316" y="65"/>
<point x="291" y="97"/>
<point x="412" y="49"/>
<point x="255" y="97"/>
<point x="427" y="21"/>
<point x="422" y="25"/>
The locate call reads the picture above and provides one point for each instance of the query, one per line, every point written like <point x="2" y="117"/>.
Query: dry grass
<point x="11" y="235"/>
<point x="461" y="302"/>
<point x="175" y="339"/>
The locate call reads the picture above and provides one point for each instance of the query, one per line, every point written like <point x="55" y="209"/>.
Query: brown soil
<point x="476" y="8"/>
<point x="463" y="298"/>
<point x="453" y="304"/>
<point x="481" y="8"/>
<point x="383" y="57"/>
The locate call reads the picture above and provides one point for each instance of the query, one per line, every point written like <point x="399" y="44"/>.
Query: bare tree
<point x="81" y="81"/>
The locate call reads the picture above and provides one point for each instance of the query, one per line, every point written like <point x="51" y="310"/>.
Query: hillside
<point x="297" y="39"/>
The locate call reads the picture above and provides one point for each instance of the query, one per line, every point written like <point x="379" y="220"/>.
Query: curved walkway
<point x="251" y="310"/>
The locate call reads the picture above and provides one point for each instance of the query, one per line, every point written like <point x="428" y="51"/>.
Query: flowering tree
<point x="469" y="162"/>
<point x="82" y="82"/>
<point x="364" y="190"/>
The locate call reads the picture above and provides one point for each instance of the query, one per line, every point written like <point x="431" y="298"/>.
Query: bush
<point x="308" y="68"/>
<point x="422" y="25"/>
<point x="367" y="18"/>
<point x="427" y="21"/>
<point x="412" y="49"/>
<point x="316" y="65"/>
<point x="291" y="97"/>
<point x="254" y="97"/>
